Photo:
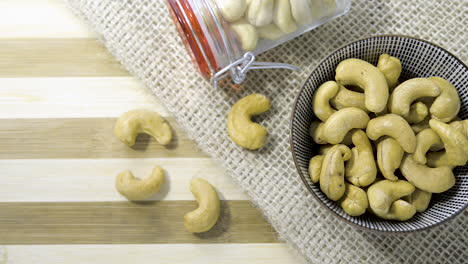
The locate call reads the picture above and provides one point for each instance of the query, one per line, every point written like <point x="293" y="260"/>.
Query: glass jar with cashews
<point x="223" y="37"/>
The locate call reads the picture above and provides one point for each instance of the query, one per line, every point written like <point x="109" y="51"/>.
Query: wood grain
<point x="82" y="138"/>
<point x="126" y="223"/>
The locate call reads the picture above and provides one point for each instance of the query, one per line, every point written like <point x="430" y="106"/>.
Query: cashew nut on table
<point x="135" y="189"/>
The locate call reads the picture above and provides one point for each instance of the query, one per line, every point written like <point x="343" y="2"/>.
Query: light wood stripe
<point x="58" y="57"/>
<point x="276" y="253"/>
<point x="86" y="180"/>
<point x="126" y="223"/>
<point x="82" y="138"/>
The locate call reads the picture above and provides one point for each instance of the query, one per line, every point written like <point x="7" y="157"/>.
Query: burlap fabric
<point x="141" y="35"/>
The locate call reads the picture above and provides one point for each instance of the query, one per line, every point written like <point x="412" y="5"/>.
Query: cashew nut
<point x="135" y="189"/>
<point x="260" y="12"/>
<point x="433" y="180"/>
<point x="282" y="16"/>
<point x="205" y="216"/>
<point x="369" y="78"/>
<point x="315" y="165"/>
<point x="461" y="126"/>
<point x="447" y="104"/>
<point x="425" y="140"/>
<point x="241" y="129"/>
<point x="232" y="10"/>
<point x="341" y="122"/>
<point x="316" y="132"/>
<point x="408" y="91"/>
<point x="391" y="68"/>
<point x="246" y="33"/>
<point x="347" y="98"/>
<point x="455" y="144"/>
<point x="320" y="103"/>
<point x="361" y="169"/>
<point x="389" y="155"/>
<point x="332" y="172"/>
<point x="137" y="121"/>
<point x="354" y="201"/>
<point x="395" y="127"/>
<point x="302" y="11"/>
<point x="384" y="199"/>
<point x="270" y="31"/>
<point x="418" y="111"/>
<point x="419" y="199"/>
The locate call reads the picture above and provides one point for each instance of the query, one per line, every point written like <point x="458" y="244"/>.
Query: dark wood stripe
<point x="126" y="223"/>
<point x="56" y="57"/>
<point x="82" y="138"/>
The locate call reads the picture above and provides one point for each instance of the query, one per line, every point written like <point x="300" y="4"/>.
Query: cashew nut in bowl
<point x="389" y="156"/>
<point x="391" y="68"/>
<point x="418" y="111"/>
<point x="241" y="129"/>
<point x="447" y="104"/>
<point x="393" y="126"/>
<point x="246" y="33"/>
<point x="347" y="98"/>
<point x="433" y="180"/>
<point x="316" y="132"/>
<point x="361" y="169"/>
<point x="270" y="31"/>
<point x="426" y="140"/>
<point x="369" y="78"/>
<point x="384" y="199"/>
<point x="407" y="92"/>
<point x="232" y="10"/>
<point x="455" y="144"/>
<point x="321" y="101"/>
<point x="302" y="11"/>
<point x="135" y="189"/>
<point x="341" y="122"/>
<point x="209" y="207"/>
<point x="282" y="16"/>
<point x="315" y="165"/>
<point x="354" y="201"/>
<point x="137" y="121"/>
<point x="419" y="199"/>
<point x="332" y="172"/>
<point x="260" y="12"/>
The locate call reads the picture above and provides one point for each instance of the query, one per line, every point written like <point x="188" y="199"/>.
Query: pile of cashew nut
<point x="386" y="146"/>
<point x="270" y="19"/>
<point x="127" y="128"/>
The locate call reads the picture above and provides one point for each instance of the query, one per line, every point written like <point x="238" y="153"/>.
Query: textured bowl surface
<point x="419" y="59"/>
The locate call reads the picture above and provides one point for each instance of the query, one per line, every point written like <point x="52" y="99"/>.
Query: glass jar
<point x="224" y="36"/>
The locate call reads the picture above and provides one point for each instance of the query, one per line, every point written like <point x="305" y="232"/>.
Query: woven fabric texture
<point x="141" y="35"/>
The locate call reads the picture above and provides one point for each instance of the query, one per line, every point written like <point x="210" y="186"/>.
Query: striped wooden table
<point x="60" y="93"/>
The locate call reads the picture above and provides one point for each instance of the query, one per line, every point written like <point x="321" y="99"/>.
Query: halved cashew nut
<point x="426" y="140"/>
<point x="282" y="16"/>
<point x="389" y="156"/>
<point x="447" y="104"/>
<point x="332" y="172"/>
<point x="135" y="189"/>
<point x="347" y="98"/>
<point x="270" y="31"/>
<point x="241" y="129"/>
<point x="391" y="68"/>
<point x="354" y="201"/>
<point x="418" y="111"/>
<point x="321" y="101"/>
<point x="232" y="10"/>
<point x="369" y="78"/>
<point x="209" y="207"/>
<point x="302" y="11"/>
<point x="316" y="132"/>
<point x="384" y="199"/>
<point x="455" y="144"/>
<point x="419" y="199"/>
<point x="361" y="169"/>
<point x="407" y="92"/>
<point x="341" y="122"/>
<point x="137" y="121"/>
<point x="315" y="165"/>
<point x="246" y="33"/>
<point x="260" y="12"/>
<point x="433" y="180"/>
<point x="393" y="126"/>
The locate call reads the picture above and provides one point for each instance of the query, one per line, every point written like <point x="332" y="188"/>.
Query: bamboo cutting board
<point x="60" y="94"/>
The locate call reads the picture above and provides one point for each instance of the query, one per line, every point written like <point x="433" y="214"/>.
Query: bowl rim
<point x="293" y="153"/>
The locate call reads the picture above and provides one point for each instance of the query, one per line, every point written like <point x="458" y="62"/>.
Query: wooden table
<point x="60" y="93"/>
